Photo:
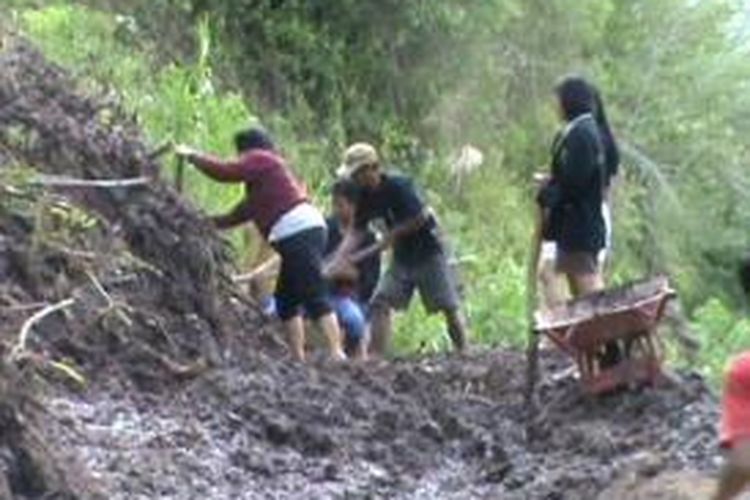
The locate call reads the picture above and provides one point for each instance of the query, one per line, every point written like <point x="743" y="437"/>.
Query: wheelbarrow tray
<point x="628" y="314"/>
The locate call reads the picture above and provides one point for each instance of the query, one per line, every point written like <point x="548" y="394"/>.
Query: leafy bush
<point x="721" y="332"/>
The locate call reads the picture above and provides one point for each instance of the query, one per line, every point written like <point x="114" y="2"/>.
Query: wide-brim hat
<point x="356" y="157"/>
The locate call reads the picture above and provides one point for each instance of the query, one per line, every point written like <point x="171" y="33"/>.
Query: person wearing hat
<point x="279" y="206"/>
<point x="735" y="429"/>
<point x="420" y="260"/>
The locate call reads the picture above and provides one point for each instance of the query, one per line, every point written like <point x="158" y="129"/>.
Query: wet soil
<point x="432" y="428"/>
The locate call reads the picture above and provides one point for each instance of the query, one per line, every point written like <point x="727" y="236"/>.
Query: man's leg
<point x="553" y="291"/>
<point x="584" y="284"/>
<point x="329" y="325"/>
<point x="305" y="282"/>
<point x="381" y="329"/>
<point x="394" y="291"/>
<point x="288" y="311"/>
<point x="438" y="286"/>
<point x="295" y="333"/>
<point x="457" y="328"/>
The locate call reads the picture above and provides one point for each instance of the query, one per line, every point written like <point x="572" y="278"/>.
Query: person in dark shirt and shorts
<point x="279" y="206"/>
<point x="352" y="287"/>
<point x="420" y="260"/>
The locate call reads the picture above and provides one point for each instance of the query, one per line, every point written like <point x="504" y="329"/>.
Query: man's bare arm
<point x="266" y="270"/>
<point x="238" y="215"/>
<point x="342" y="256"/>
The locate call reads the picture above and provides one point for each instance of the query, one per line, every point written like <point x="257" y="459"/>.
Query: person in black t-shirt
<point x="351" y="286"/>
<point x="419" y="255"/>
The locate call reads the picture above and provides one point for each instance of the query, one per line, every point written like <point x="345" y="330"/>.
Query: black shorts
<point x="301" y="286"/>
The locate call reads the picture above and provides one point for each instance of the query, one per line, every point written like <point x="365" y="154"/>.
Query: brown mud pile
<point x="187" y="395"/>
<point x="149" y="276"/>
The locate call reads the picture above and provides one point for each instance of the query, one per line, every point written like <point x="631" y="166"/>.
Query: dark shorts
<point x="433" y="277"/>
<point x="577" y="263"/>
<point x="301" y="286"/>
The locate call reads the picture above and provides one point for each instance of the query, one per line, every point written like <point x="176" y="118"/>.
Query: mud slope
<point x="158" y="380"/>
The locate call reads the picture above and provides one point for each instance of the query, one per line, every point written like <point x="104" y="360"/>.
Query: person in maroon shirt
<point x="278" y="204"/>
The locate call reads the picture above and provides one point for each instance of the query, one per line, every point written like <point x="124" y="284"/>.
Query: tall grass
<point x="176" y="102"/>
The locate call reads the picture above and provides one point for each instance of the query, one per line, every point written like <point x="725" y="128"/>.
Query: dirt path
<point x="436" y="428"/>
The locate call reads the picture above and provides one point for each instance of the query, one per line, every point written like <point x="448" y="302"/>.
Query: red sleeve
<point x="244" y="169"/>
<point x="240" y="214"/>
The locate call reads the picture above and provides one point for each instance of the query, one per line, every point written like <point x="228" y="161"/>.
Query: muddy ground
<point x="436" y="428"/>
<point x="160" y="380"/>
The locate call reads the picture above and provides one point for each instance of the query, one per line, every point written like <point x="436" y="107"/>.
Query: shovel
<point x="532" y="349"/>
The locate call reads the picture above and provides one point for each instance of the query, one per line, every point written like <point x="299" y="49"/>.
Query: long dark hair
<point x="576" y="97"/>
<point x="611" y="150"/>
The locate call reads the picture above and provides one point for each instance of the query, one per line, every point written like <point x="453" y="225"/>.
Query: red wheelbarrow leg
<point x="626" y="315"/>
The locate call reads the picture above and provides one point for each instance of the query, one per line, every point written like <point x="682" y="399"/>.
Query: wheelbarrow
<point x="626" y="317"/>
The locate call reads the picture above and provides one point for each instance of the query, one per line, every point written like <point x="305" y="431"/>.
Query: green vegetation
<point x="422" y="78"/>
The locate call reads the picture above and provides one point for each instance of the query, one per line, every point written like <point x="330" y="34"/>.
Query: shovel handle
<point x="532" y="351"/>
<point x="179" y="174"/>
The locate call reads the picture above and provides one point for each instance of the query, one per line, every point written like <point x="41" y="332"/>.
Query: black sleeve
<point x="410" y="203"/>
<point x="549" y="195"/>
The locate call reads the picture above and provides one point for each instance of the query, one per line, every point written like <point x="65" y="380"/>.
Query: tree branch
<point x="20" y="348"/>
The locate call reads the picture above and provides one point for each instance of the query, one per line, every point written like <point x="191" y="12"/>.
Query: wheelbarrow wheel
<point x="611" y="356"/>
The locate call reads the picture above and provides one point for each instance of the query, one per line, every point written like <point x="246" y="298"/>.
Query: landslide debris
<point x="159" y="380"/>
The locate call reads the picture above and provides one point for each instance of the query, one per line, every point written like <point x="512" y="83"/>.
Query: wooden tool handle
<point x="179" y="174"/>
<point x="532" y="350"/>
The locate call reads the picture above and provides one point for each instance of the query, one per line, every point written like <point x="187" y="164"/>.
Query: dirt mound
<point x="123" y="295"/>
<point x="123" y="282"/>
<point x="148" y="275"/>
